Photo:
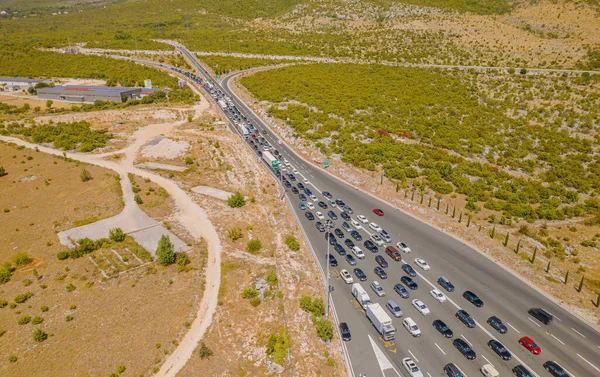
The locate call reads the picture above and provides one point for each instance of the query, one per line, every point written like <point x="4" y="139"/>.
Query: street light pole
<point x="327" y="288"/>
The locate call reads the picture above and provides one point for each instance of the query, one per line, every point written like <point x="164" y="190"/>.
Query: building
<point x="19" y="83"/>
<point x="149" y="91"/>
<point x="81" y="93"/>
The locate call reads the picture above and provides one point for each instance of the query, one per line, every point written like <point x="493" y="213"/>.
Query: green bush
<point x="182" y="259"/>
<point x="20" y="259"/>
<point x="138" y="199"/>
<point x="588" y="243"/>
<point x="316" y="307"/>
<point x="234" y="234"/>
<point x="39" y="335"/>
<point x="19" y="299"/>
<point x="13" y="358"/>
<point x="85" y="175"/>
<point x="3" y="303"/>
<point x="278" y="345"/>
<point x="24" y="320"/>
<point x="272" y="278"/>
<point x="292" y="243"/>
<point x="253" y="246"/>
<point x="204" y="351"/>
<point x="70" y="287"/>
<point x="236" y="200"/>
<point x="5" y="273"/>
<point x="249" y="293"/>
<point x="117" y="235"/>
<point x="324" y="329"/>
<point x="68" y="318"/>
<point x="2" y="171"/>
<point x="165" y="251"/>
<point x="255" y="301"/>
<point x="62" y="255"/>
<point x="44" y="309"/>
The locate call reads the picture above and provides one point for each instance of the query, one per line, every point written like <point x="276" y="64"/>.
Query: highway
<point x="568" y="340"/>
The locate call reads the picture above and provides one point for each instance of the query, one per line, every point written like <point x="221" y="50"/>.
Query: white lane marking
<point x="413" y="355"/>
<point x="534" y="322"/>
<point x="570" y="374"/>
<point x="383" y="361"/>
<point x="487" y="360"/>
<point x="549" y="312"/>
<point x="428" y="374"/>
<point x="463" y="373"/>
<point x="518" y="332"/>
<point x="365" y="229"/>
<point x="467" y="340"/>
<point x="592" y="365"/>
<point x="560" y="341"/>
<point x="441" y="350"/>
<point x="578" y="333"/>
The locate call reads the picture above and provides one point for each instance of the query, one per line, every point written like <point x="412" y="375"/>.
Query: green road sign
<point x="326" y="164"/>
<point x="218" y="76"/>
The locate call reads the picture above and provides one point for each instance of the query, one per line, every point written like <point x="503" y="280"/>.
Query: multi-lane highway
<point x="568" y="340"/>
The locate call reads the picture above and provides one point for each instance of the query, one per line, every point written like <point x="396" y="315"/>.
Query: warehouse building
<point x="81" y="93"/>
<point x="19" y="83"/>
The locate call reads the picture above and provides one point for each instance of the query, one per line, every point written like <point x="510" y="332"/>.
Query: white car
<point x="404" y="247"/>
<point x="346" y="277"/>
<point x="438" y="295"/>
<point x="313" y="198"/>
<point x="411" y="367"/>
<point x="376" y="238"/>
<point x="421" y="263"/>
<point x="319" y="215"/>
<point x="362" y="219"/>
<point x="377" y="288"/>
<point x="375" y="227"/>
<point x="282" y="168"/>
<point x="355" y="224"/>
<point x="310" y="205"/>
<point x="265" y="147"/>
<point x="286" y="162"/>
<point x="358" y="252"/>
<point x="305" y="180"/>
<point x="279" y="141"/>
<point x="331" y="203"/>
<point x="294" y="170"/>
<point x="420" y="306"/>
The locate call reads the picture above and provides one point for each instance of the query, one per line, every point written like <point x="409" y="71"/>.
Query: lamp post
<point x="328" y="226"/>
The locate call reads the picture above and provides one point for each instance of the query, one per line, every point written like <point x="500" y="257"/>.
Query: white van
<point x="488" y="370"/>
<point x="411" y="327"/>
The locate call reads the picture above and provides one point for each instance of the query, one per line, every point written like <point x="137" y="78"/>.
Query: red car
<point x="528" y="343"/>
<point x="378" y="212"/>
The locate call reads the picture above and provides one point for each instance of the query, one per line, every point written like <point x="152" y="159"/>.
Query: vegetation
<point x="292" y="243"/>
<point x="324" y="329"/>
<point x="117" y="235"/>
<point x="204" y="351"/>
<point x="85" y="175"/>
<point x="477" y="7"/>
<point x="278" y="345"/>
<point x="253" y="246"/>
<point x="20" y="259"/>
<point x="5" y="273"/>
<point x="222" y="65"/>
<point x="165" y="251"/>
<point x="21" y="298"/>
<point x="249" y="293"/>
<point x="316" y="307"/>
<point x="39" y="335"/>
<point x="2" y="171"/>
<point x="236" y="200"/>
<point x="235" y="234"/>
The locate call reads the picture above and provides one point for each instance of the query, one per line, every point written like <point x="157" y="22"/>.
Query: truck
<point x="381" y="321"/>
<point x="223" y="104"/>
<point x="271" y="161"/>
<point x="244" y="132"/>
<point x="360" y="295"/>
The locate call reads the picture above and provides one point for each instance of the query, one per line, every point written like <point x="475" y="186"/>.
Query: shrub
<point x="117" y="235"/>
<point x="19" y="299"/>
<point x="255" y="301"/>
<point x="138" y="199"/>
<point x="13" y="358"/>
<point x="292" y="243"/>
<point x="278" y="345"/>
<point x="21" y="259"/>
<point x="588" y="243"/>
<point x="3" y="302"/>
<point x="85" y="175"/>
<point x="189" y="160"/>
<point x="235" y="234"/>
<point x="5" y="273"/>
<point x="253" y="246"/>
<point x="62" y="255"/>
<point x="249" y="293"/>
<point x="121" y="368"/>
<point x="44" y="308"/>
<point x="70" y="287"/>
<point x="205" y="351"/>
<point x="39" y="335"/>
<point x="236" y="200"/>
<point x="24" y="320"/>
<point x="272" y="278"/>
<point x="306" y="303"/>
<point x="182" y="259"/>
<point x="316" y="307"/>
<point x="69" y="318"/>
<point x="2" y="171"/>
<point x="165" y="251"/>
<point x="2" y="332"/>
<point x="324" y="329"/>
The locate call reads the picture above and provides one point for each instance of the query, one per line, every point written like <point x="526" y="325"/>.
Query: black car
<point x="409" y="270"/>
<point x="292" y="177"/>
<point x="332" y="240"/>
<point x="302" y="197"/>
<point x="345" y="216"/>
<point x="356" y="235"/>
<point x="255" y="147"/>
<point x="497" y="324"/>
<point x="300" y="186"/>
<point x="499" y="349"/>
<point x="287" y="184"/>
<point x="371" y="246"/>
<point x="309" y="215"/>
<point x="403" y="292"/>
<point x="443" y="328"/>
<point x="555" y="369"/>
<point x="338" y="232"/>
<point x="381" y="261"/>
<point x="465" y="318"/>
<point x="473" y="298"/>
<point x="340" y="202"/>
<point x="332" y="261"/>
<point x="339" y="249"/>
<point x="445" y="283"/>
<point x="349" y="243"/>
<point x="320" y="226"/>
<point x="350" y="259"/>
<point x="327" y="195"/>
<point x="464" y="348"/>
<point x="380" y="272"/>
<point x="452" y="370"/>
<point x="521" y="371"/>
<point x="295" y="190"/>
<point x="345" y="330"/>
<point x="332" y="215"/>
<point x="541" y="315"/>
<point x="410" y="283"/>
<point x="360" y="274"/>
<point x="322" y="204"/>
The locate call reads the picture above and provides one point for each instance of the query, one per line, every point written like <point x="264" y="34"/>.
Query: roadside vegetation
<point x="222" y="65"/>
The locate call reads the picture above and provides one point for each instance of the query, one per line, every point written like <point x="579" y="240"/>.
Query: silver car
<point x="394" y="308"/>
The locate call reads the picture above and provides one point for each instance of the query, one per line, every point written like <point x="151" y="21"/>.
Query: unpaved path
<point x="188" y="213"/>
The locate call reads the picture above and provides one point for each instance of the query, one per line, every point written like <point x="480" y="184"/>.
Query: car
<point x="375" y="227"/>
<point x="393" y="253"/>
<point x="409" y="270"/>
<point x="411" y="326"/>
<point x="356" y="235"/>
<point x="319" y="215"/>
<point x="313" y="198"/>
<point x="358" y="252"/>
<point x="346" y="277"/>
<point x="381" y="261"/>
<point x="340" y="250"/>
<point x="521" y="371"/>
<point x="301" y="206"/>
<point x="338" y="232"/>
<point x="345" y="330"/>
<point x="386" y="237"/>
<point x="292" y="177"/>
<point x="287" y="184"/>
<point x="266" y="148"/>
<point x="355" y="224"/>
<point x="331" y="203"/>
<point x="348" y="209"/>
<point x="279" y="141"/>
<point x="377" y="288"/>
<point x="421" y="307"/>
<point x="308" y="192"/>
<point x="350" y="259"/>
<point x="442" y="328"/>
<point x="283" y="168"/>
<point x="362" y="219"/>
<point x="541" y="315"/>
<point x="410" y="283"/>
<point x="464" y="348"/>
<point x="348" y="242"/>
<point x="412" y="368"/>
<point x="445" y="283"/>
<point x="294" y="170"/>
<point x="340" y="202"/>
<point x="438" y="295"/>
<point x="378" y="211"/>
<point x="555" y="369"/>
<point x="345" y="216"/>
<point x="497" y="324"/>
<point x="403" y="292"/>
<point x="423" y="264"/>
<point x="331" y="238"/>
<point x="332" y="215"/>
<point x="499" y="349"/>
<point x="310" y="205"/>
<point x="264" y="132"/>
<point x="319" y="225"/>
<point x="300" y="186"/>
<point x="322" y="204"/>
<point x="332" y="261"/>
<point x="380" y="272"/>
<point x="377" y="239"/>
<point x="369" y="245"/>
<point x="473" y="298"/>
<point x="394" y="308"/>
<point x="360" y="274"/>
<point x="295" y="190"/>
<point x="465" y="318"/>
<point x="327" y="194"/>
<point x="402" y="246"/>
<point x="309" y="215"/>
<point x="346" y="227"/>
<point x="452" y="370"/>
<point x="528" y="343"/>
<point x="302" y="197"/>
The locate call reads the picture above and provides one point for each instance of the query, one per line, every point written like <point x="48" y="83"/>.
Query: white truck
<point x="271" y="161"/>
<point x="244" y="132"/>
<point x="223" y="104"/>
<point x="381" y="321"/>
<point x="360" y="295"/>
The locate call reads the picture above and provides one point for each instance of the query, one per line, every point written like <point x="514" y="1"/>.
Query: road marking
<point x="382" y="360"/>
<point x="552" y="335"/>
<point x="592" y="365"/>
<point x="549" y="312"/>
<point x="414" y="357"/>
<point x="487" y="360"/>
<point x="463" y="373"/>
<point x="428" y="374"/>
<point x="534" y="322"/>
<point x="441" y="350"/>
<point x="578" y="332"/>
<point x="467" y="340"/>
<point x="518" y="332"/>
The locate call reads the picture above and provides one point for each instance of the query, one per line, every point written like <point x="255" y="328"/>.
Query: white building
<point x="19" y="83"/>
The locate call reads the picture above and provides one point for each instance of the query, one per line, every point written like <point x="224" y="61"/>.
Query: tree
<point x="236" y="200"/>
<point x="324" y="329"/>
<point x="117" y="235"/>
<point x="49" y="103"/>
<point x="165" y="251"/>
<point x="2" y="171"/>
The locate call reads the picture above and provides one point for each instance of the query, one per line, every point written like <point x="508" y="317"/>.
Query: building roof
<point x="87" y="89"/>
<point x="21" y="79"/>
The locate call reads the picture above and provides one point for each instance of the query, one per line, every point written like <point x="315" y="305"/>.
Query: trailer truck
<point x="223" y="104"/>
<point x="360" y="295"/>
<point x="244" y="132"/>
<point x="271" y="161"/>
<point x="381" y="321"/>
